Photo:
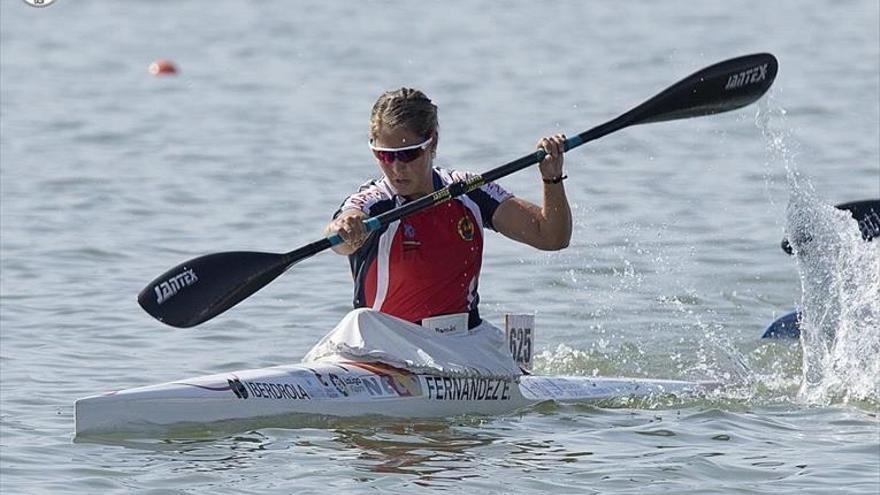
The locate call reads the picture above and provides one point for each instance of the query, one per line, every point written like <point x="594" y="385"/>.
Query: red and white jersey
<point x="426" y="264"/>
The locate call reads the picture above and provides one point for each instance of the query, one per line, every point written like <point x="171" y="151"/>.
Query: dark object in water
<point x="785" y="327"/>
<point x="866" y="212"/>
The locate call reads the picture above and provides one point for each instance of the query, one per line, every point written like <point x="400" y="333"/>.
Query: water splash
<point x="840" y="282"/>
<point x="840" y="305"/>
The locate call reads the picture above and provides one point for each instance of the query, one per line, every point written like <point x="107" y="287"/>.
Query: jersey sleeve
<point x="366" y="199"/>
<point x="488" y="197"/>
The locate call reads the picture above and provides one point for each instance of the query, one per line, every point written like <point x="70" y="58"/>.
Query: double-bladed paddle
<point x="202" y="288"/>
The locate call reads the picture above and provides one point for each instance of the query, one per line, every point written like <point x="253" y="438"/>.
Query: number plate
<point x="520" y="332"/>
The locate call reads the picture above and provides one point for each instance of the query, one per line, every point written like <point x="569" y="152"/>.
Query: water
<point x="109" y="176"/>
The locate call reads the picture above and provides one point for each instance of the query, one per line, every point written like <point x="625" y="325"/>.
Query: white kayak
<point x="345" y="389"/>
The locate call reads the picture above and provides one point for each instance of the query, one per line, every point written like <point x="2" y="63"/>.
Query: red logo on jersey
<point x="466" y="228"/>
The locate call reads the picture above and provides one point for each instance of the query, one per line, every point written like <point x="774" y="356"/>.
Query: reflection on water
<point x="426" y="453"/>
<point x="434" y="452"/>
<point x="553" y="447"/>
<point x="441" y="453"/>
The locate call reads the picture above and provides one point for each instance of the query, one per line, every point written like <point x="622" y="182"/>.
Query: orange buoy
<point x="162" y="67"/>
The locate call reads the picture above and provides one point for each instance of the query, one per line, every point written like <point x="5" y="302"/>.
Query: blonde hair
<point x="405" y="107"/>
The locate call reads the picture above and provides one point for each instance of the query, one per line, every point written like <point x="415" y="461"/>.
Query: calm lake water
<point x="109" y="176"/>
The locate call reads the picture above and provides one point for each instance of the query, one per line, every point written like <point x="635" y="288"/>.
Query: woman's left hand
<point x="551" y="165"/>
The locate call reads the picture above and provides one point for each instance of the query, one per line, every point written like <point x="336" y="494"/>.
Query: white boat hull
<point x="344" y="389"/>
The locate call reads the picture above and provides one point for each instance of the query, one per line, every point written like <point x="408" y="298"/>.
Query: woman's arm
<point x="546" y="227"/>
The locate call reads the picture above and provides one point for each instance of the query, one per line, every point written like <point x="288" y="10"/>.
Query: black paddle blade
<point x="199" y="289"/>
<point x="865" y="212"/>
<point x="718" y="88"/>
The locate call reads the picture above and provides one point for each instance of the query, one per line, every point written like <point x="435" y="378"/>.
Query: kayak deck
<point x="345" y="389"/>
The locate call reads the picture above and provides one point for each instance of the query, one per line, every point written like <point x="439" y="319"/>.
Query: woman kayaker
<point x="428" y="264"/>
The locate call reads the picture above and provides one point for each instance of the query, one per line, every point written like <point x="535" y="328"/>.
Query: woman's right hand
<point x="350" y="226"/>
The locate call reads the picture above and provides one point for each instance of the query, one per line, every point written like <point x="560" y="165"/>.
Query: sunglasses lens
<point x="384" y="156"/>
<point x="404" y="156"/>
<point x="407" y="156"/>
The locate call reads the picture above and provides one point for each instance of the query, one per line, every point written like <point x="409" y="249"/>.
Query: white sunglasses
<point x="405" y="154"/>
